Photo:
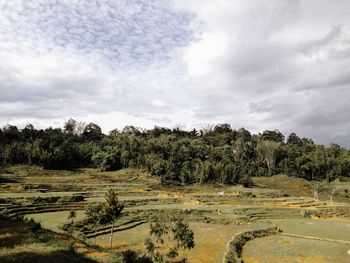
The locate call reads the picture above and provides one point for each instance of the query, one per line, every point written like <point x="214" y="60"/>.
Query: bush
<point x="34" y="226"/>
<point x="73" y="198"/>
<point x="130" y="256"/>
<point x="247" y="181"/>
<point x="41" y="200"/>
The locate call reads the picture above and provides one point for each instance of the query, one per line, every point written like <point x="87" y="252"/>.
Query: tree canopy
<point x="213" y="154"/>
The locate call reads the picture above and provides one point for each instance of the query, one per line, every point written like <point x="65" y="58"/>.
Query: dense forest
<point x="213" y="154"/>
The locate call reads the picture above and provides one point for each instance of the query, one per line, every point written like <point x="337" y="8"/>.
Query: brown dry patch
<point x="96" y="254"/>
<point x="192" y="202"/>
<point x="137" y="190"/>
<point x="286" y="242"/>
<point x="252" y="260"/>
<point x="164" y="195"/>
<point x="295" y="186"/>
<point x="286" y="259"/>
<point x="178" y="195"/>
<point x="312" y="259"/>
<point x="130" y="239"/>
<point x="13" y="187"/>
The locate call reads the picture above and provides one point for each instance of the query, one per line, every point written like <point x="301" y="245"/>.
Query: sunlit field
<point x="215" y="214"/>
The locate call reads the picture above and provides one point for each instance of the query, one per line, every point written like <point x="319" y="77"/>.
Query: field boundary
<point x="234" y="247"/>
<point x="316" y="238"/>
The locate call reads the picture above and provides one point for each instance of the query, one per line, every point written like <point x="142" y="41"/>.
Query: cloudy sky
<point x="259" y="64"/>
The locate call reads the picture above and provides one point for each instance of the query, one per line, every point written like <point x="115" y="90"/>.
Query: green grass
<point x="53" y="220"/>
<point x="282" y="249"/>
<point x="210" y="239"/>
<point x="19" y="243"/>
<point x="212" y="215"/>
<point x="332" y="229"/>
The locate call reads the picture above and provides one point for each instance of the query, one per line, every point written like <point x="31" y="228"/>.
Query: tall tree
<point x="274" y="135"/>
<point x="112" y="210"/>
<point x="92" y="132"/>
<point x="268" y="151"/>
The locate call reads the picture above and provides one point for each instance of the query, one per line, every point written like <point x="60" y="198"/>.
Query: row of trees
<point x="217" y="153"/>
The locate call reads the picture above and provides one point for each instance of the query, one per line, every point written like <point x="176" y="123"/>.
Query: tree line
<point x="212" y="154"/>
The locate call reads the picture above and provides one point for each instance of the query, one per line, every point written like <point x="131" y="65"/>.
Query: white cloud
<point x="259" y="64"/>
<point x="158" y="103"/>
<point x="283" y="64"/>
<point x="201" y="54"/>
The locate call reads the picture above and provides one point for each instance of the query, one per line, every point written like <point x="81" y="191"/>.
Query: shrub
<point x="247" y="181"/>
<point x="73" y="198"/>
<point x="34" y="226"/>
<point x="130" y="256"/>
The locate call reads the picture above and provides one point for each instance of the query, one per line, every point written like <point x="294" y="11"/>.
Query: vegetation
<point x="25" y="241"/>
<point x="185" y="194"/>
<point x="216" y="154"/>
<point x="112" y="210"/>
<point x="214" y="212"/>
<point x="168" y="234"/>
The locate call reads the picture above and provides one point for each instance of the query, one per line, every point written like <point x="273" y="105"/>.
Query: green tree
<point x="275" y="136"/>
<point x="268" y="151"/>
<point x="168" y="234"/>
<point x="112" y="211"/>
<point x="294" y="140"/>
<point x="72" y="214"/>
<point x="95" y="215"/>
<point x="92" y="132"/>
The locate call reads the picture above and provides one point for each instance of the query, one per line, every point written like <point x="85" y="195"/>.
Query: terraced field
<point x="216" y="213"/>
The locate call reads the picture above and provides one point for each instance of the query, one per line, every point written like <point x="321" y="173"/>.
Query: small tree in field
<point x="168" y="234"/>
<point x="112" y="210"/>
<point x="94" y="214"/>
<point x="72" y="214"/>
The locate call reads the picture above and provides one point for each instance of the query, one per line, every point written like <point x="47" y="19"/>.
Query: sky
<point x="258" y="64"/>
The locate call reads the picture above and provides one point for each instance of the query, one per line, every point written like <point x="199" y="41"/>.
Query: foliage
<point x="213" y="154"/>
<point x="130" y="256"/>
<point x="247" y="181"/>
<point x="105" y="213"/>
<point x="72" y="214"/>
<point x="168" y="234"/>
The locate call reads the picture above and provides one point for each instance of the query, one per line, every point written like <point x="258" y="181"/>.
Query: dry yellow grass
<point x="137" y="190"/>
<point x="164" y="195"/>
<point x="210" y="240"/>
<point x="95" y="254"/>
<point x="286" y="259"/>
<point x="280" y="249"/>
<point x="192" y="202"/>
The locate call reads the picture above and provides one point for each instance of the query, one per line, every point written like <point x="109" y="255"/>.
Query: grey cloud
<point x="285" y="64"/>
<point x="310" y="47"/>
<point x="259" y="107"/>
<point x="268" y="82"/>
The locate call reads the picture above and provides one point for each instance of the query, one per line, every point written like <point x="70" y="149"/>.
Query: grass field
<point x="19" y="243"/>
<point x="210" y="240"/>
<point x="215" y="213"/>
<point x="53" y="220"/>
<point x="331" y="229"/>
<point x="280" y="249"/>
